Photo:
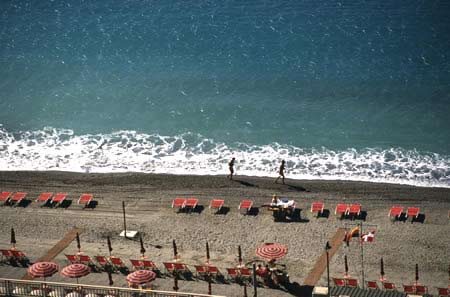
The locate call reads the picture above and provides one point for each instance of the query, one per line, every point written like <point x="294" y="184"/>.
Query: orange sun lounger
<point x="317" y="207"/>
<point x="44" y="197"/>
<point x="85" y="199"/>
<point x="216" y="204"/>
<point x="396" y="211"/>
<point x="341" y="209"/>
<point x="246" y="205"/>
<point x="58" y="199"/>
<point x="354" y="209"/>
<point x="191" y="203"/>
<point x="4" y="197"/>
<point x="178" y="202"/>
<point x="18" y="197"/>
<point x="413" y="212"/>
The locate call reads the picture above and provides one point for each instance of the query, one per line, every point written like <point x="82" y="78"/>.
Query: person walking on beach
<point x="231" y="168"/>
<point x="281" y="172"/>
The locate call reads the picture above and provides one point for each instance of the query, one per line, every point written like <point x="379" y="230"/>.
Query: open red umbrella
<point x="140" y="277"/>
<point x="43" y="269"/>
<point x="271" y="251"/>
<point x="75" y="271"/>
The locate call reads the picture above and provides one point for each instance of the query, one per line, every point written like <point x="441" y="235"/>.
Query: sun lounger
<point x="246" y="205"/>
<point x="86" y="260"/>
<point x="351" y="282"/>
<point x="339" y="282"/>
<point x="395" y="211"/>
<point x="85" y="199"/>
<point x="58" y="199"/>
<point x="412" y="212"/>
<point x="443" y="292"/>
<point x="341" y="209"/>
<point x="178" y="203"/>
<point x="72" y="259"/>
<point x="150" y="265"/>
<point x="170" y="267"/>
<point x="388" y="286"/>
<point x="317" y="207"/>
<point x="4" y="197"/>
<point x="202" y="271"/>
<point x="19" y="256"/>
<point x="191" y="204"/>
<point x="44" y="198"/>
<point x="233" y="273"/>
<point x="117" y="263"/>
<point x="245" y="273"/>
<point x="216" y="204"/>
<point x="409" y="289"/>
<point x="17" y="198"/>
<point x="137" y="264"/>
<point x="421" y="290"/>
<point x="354" y="209"/>
<point x="7" y="255"/>
<point x="213" y="271"/>
<point x="372" y="285"/>
<point x="181" y="268"/>
<point x="102" y="261"/>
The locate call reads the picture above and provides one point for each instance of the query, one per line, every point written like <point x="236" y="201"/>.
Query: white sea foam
<point x="129" y="151"/>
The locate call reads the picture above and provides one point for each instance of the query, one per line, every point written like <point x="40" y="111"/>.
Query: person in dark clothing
<point x="281" y="172"/>
<point x="231" y="168"/>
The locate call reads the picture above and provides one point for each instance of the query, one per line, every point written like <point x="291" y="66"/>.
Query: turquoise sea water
<point x="340" y="89"/>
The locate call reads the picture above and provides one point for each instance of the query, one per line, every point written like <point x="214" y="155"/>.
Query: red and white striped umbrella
<point x="141" y="277"/>
<point x="75" y="271"/>
<point x="271" y="251"/>
<point x="43" y="269"/>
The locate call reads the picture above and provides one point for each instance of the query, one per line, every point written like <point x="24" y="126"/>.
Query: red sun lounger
<point x="421" y="290"/>
<point x="191" y="203"/>
<point x="178" y="202"/>
<point x="395" y="211"/>
<point x="341" y="209"/>
<point x="443" y="292"/>
<point x="85" y="199"/>
<point x="102" y="261"/>
<point x="317" y="207"/>
<point x="170" y="267"/>
<point x="137" y="264"/>
<point x="339" y="282"/>
<point x="409" y="289"/>
<point x="246" y="205"/>
<point x="233" y="273"/>
<point x="7" y="254"/>
<point x="245" y="272"/>
<point x="354" y="209"/>
<point x="202" y="271"/>
<point x="216" y="204"/>
<point x="44" y="197"/>
<point x="117" y="263"/>
<point x="351" y="282"/>
<point x="213" y="270"/>
<point x="72" y="259"/>
<point x="4" y="196"/>
<point x="412" y="212"/>
<point x="389" y="286"/>
<point x="18" y="197"/>
<point x="19" y="255"/>
<point x="180" y="267"/>
<point x="86" y="260"/>
<point x="150" y="265"/>
<point x="59" y="198"/>
<point x="372" y="285"/>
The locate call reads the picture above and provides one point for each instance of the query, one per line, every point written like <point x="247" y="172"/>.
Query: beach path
<point x="57" y="248"/>
<point x="321" y="264"/>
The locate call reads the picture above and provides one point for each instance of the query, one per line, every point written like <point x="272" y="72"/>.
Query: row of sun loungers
<point x="388" y="286"/>
<point x="45" y="198"/>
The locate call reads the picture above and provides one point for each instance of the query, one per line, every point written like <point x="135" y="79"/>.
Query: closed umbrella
<point x="141" y="277"/>
<point x="13" y="238"/>
<point x="108" y="241"/>
<point x="209" y="286"/>
<point x="142" y="247"/>
<point x="111" y="282"/>
<point x="75" y="271"/>
<point x="78" y="243"/>
<point x="207" y="253"/>
<point x="417" y="274"/>
<point x="271" y="251"/>
<point x="346" y="266"/>
<point x="239" y="255"/>
<point x="382" y="270"/>
<point x="175" y="251"/>
<point x="43" y="269"/>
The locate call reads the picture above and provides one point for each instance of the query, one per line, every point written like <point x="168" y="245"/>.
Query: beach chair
<point x="170" y="267"/>
<point x="354" y="209"/>
<point x="137" y="264"/>
<point x="191" y="204"/>
<point x="388" y="286"/>
<point x="150" y="265"/>
<point x="58" y="199"/>
<point x="245" y="274"/>
<point x="17" y="198"/>
<point x="351" y="282"/>
<point x="181" y="268"/>
<point x="409" y="289"/>
<point x="85" y="199"/>
<point x="372" y="285"/>
<point x="44" y="198"/>
<point x="117" y="263"/>
<point x="421" y="289"/>
<point x="72" y="259"/>
<point x="216" y="204"/>
<point x="317" y="207"/>
<point x="412" y="212"/>
<point x="443" y="292"/>
<point x="395" y="212"/>
<point x="202" y="271"/>
<point x="7" y="255"/>
<point x="20" y="256"/>
<point x="214" y="271"/>
<point x="233" y="274"/>
<point x="246" y="205"/>
<point x="178" y="203"/>
<point x="86" y="260"/>
<point x="341" y="209"/>
<point x="102" y="262"/>
<point x="339" y="282"/>
<point x="4" y="197"/>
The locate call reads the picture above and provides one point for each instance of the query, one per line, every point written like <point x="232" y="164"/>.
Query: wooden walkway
<point x="321" y="264"/>
<point x="57" y="248"/>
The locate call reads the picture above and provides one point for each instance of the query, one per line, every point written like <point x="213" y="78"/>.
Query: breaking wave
<point x="130" y="151"/>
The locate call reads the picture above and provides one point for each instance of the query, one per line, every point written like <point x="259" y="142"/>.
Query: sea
<point x="340" y="90"/>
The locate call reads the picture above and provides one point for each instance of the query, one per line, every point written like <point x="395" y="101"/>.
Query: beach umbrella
<point x="175" y="251"/>
<point x="13" y="237"/>
<point x="239" y="255"/>
<point x="346" y="266"/>
<point x="207" y="252"/>
<point x="43" y="269"/>
<point x="382" y="270"/>
<point x="271" y="251"/>
<point x="417" y="274"/>
<point x="140" y="277"/>
<point x="75" y="271"/>
<point x="142" y="246"/>
<point x="108" y="241"/>
<point x="78" y="243"/>
<point x="209" y="286"/>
